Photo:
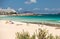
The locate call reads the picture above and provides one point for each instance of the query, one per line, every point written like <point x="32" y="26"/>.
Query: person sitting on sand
<point x="10" y="22"/>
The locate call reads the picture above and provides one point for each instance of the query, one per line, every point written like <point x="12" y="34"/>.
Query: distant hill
<point x="27" y="12"/>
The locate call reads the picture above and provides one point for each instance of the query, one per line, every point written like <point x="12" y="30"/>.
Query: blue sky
<point x="51" y="5"/>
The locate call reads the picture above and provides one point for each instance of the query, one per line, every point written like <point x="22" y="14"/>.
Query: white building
<point x="5" y="11"/>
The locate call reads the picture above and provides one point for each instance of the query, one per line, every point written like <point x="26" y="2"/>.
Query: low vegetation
<point x="42" y="34"/>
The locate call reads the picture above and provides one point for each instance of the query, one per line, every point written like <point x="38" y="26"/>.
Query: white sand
<point x="7" y="31"/>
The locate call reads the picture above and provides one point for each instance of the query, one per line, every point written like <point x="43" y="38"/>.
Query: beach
<point x="8" y="29"/>
<point x="29" y="19"/>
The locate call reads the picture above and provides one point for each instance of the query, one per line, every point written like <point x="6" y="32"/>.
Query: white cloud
<point x="58" y="9"/>
<point x="30" y="1"/>
<point x="33" y="1"/>
<point x="46" y="9"/>
<point x="52" y="9"/>
<point x="27" y="2"/>
<point x="20" y="9"/>
<point x="36" y="9"/>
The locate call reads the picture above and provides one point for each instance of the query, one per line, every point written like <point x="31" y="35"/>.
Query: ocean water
<point x="43" y="18"/>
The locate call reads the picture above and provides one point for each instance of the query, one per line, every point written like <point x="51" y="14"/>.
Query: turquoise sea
<point x="43" y="18"/>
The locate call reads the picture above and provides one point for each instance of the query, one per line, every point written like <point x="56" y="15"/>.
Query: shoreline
<point x="48" y="24"/>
